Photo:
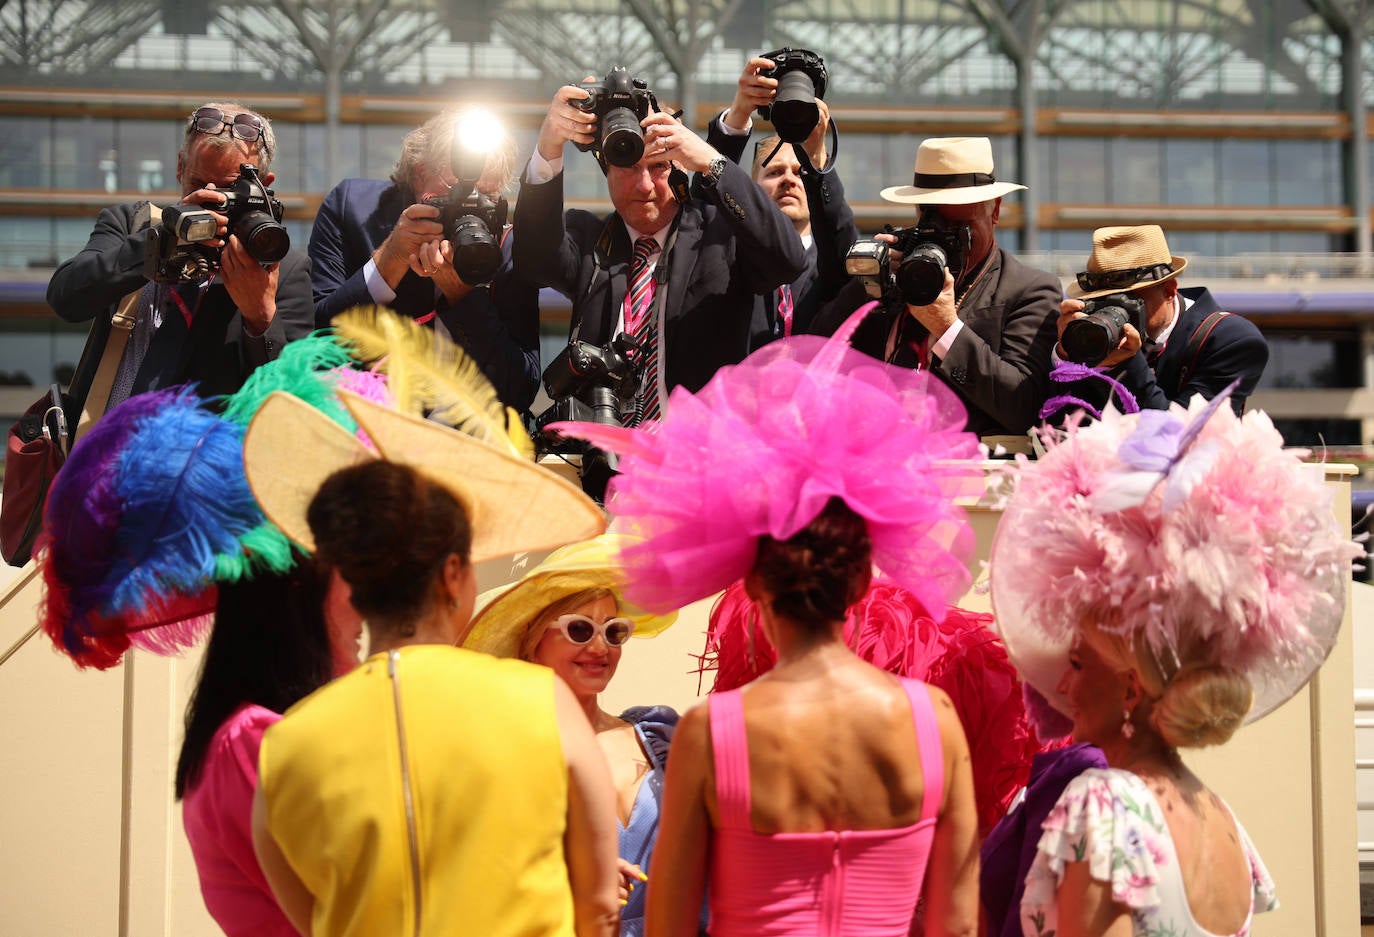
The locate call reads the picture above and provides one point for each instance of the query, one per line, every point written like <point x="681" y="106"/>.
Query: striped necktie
<point x="785" y="306"/>
<point x="640" y="321"/>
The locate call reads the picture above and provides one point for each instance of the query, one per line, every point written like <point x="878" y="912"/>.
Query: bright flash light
<point x="478" y="131"/>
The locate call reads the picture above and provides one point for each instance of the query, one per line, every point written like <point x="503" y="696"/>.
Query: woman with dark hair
<point x="433" y="790"/>
<point x="275" y="641"/>
<point x="828" y="797"/>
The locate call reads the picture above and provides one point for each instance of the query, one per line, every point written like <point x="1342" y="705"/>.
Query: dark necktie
<point x="641" y="323"/>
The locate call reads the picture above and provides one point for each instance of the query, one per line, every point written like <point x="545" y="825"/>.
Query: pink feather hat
<point x="1181" y="529"/>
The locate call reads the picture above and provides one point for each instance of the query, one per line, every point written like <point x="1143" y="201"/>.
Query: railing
<point x="1364" y="719"/>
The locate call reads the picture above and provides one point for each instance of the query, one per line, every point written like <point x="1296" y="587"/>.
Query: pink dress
<point x="217" y="813"/>
<point x="845" y="883"/>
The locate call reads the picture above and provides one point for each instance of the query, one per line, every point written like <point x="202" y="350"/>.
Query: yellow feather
<point x="427" y="373"/>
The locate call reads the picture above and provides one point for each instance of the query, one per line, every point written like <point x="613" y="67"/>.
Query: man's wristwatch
<point x="714" y="171"/>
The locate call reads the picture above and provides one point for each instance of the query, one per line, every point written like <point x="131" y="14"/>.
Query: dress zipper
<point x="393" y="660"/>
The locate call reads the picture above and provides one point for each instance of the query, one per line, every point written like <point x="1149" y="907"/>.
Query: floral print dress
<point x="1108" y="818"/>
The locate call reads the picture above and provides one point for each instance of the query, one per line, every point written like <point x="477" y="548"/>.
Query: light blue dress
<point x="654" y="725"/>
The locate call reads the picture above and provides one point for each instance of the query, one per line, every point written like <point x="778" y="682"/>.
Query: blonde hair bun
<point x="1202" y="706"/>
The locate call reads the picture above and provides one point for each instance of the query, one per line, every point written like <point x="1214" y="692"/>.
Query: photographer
<point x="989" y="330"/>
<point x="701" y="259"/>
<point x="377" y="242"/>
<point x="1189" y="346"/>
<point x="213" y="330"/>
<point x="803" y="182"/>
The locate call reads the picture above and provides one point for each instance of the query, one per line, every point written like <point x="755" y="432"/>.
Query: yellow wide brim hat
<point x="504" y="614"/>
<point x="513" y="504"/>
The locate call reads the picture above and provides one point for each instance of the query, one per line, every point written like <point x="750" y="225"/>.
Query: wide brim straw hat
<point x="513" y="504"/>
<point x="952" y="171"/>
<point x="1176" y="529"/>
<point x="505" y="613"/>
<point x="1125" y="258"/>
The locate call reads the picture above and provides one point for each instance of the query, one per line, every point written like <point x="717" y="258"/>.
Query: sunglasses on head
<point x="212" y="121"/>
<point x="579" y="629"/>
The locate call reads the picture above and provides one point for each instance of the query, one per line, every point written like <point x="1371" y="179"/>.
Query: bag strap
<point x="1195" y="343"/>
<point x="121" y="326"/>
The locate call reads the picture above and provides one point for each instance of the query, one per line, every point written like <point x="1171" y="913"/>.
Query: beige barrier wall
<point x="91" y="843"/>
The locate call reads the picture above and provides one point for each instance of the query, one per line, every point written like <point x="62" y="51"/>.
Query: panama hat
<point x="513" y="504"/>
<point x="505" y="613"/>
<point x="1125" y="258"/>
<point x="952" y="171"/>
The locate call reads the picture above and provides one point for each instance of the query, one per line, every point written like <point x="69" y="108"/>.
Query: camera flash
<point x="478" y="130"/>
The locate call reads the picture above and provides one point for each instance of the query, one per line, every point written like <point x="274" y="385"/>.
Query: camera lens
<point x="795" y="112"/>
<point x="265" y="238"/>
<point x="1092" y="338"/>
<point x="622" y="139"/>
<point x="476" y="255"/>
<point x="921" y="276"/>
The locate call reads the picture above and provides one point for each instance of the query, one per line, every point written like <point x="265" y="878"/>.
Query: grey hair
<point x="264" y="149"/>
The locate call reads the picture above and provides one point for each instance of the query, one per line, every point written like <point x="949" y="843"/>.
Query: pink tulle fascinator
<point x="1190" y="530"/>
<point x="153" y="508"/>
<point x="766" y="443"/>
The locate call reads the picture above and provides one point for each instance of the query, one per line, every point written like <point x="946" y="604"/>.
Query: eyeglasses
<point x="1120" y="279"/>
<point x="244" y="126"/>
<point x="579" y="629"/>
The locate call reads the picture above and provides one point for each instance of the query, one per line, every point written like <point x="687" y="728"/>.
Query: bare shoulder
<point x="947" y="717"/>
<point x="693" y="730"/>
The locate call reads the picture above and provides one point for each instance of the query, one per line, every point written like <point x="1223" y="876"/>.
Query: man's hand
<point x="435" y="261"/>
<point x="417" y="226"/>
<point x="665" y="138"/>
<point x="755" y="90"/>
<point x="566" y="122"/>
<point x="815" y="144"/>
<point x="939" y="315"/>
<point x="210" y="199"/>
<point x="1128" y="345"/>
<point x="251" y="286"/>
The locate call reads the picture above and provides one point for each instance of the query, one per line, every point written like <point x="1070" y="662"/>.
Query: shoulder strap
<point x="731" y="755"/>
<point x="932" y="752"/>
<point x="1195" y="343"/>
<point x="121" y="325"/>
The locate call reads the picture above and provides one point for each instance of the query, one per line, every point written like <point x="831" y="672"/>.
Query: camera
<point x="620" y="103"/>
<point x="928" y="248"/>
<point x="592" y="384"/>
<point x="176" y="250"/>
<point x="473" y="224"/>
<point x="1090" y="339"/>
<point x="801" y="79"/>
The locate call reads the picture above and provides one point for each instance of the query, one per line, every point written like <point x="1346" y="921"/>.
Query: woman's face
<point x="585" y="668"/>
<point x="1096" y="694"/>
<point x="344" y="624"/>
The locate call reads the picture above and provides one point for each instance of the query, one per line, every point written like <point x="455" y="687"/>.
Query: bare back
<point x="1212" y="861"/>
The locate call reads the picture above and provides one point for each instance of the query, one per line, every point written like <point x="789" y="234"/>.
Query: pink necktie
<point x="785" y="308"/>
<point x="641" y="323"/>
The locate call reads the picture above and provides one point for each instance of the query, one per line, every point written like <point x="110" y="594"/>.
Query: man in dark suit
<point x="990" y="332"/>
<point x="375" y="243"/>
<point x="803" y="182"/>
<point x="708" y="256"/>
<point x="212" y="331"/>
<point x="1192" y="347"/>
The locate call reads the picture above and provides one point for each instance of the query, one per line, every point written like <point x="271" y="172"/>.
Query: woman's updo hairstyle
<point x="819" y="572"/>
<point x="1202" y="706"/>
<point x="388" y="530"/>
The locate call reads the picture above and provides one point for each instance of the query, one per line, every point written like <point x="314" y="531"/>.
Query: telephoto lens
<point x="795" y="113"/>
<point x="921" y="276"/>
<point x="622" y="139"/>
<point x="1092" y="338"/>
<point x="265" y="238"/>
<point x="476" y="255"/>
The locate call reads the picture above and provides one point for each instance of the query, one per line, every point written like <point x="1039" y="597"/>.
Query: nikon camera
<point x="801" y="79"/>
<point x="473" y="224"/>
<point x="1092" y="338"/>
<point x="176" y="250"/>
<point x="620" y="103"/>
<point x="928" y="249"/>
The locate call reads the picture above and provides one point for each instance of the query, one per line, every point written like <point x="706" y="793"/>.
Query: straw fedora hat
<point x="1125" y="258"/>
<point x="506" y="612"/>
<point x="513" y="504"/>
<point x="952" y="171"/>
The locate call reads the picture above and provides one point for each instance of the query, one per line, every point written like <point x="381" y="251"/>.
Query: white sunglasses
<point x="579" y="629"/>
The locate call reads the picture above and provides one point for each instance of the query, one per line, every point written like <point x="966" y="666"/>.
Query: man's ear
<point x="181" y="166"/>
<point x="267" y="178"/>
<point x="996" y="209"/>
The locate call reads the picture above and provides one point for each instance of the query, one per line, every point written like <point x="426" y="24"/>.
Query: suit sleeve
<point x="334" y="286"/>
<point x="832" y="225"/>
<point x="499" y="327"/>
<point x="106" y="269"/>
<point x="1012" y="383"/>
<point x="545" y="254"/>
<point x="768" y="252"/>
<point x="295" y="316"/>
<point x="1235" y="349"/>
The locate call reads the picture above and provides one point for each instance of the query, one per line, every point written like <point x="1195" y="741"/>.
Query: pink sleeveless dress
<point x="845" y="883"/>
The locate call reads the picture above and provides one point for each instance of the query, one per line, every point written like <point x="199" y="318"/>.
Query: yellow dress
<point x="425" y="794"/>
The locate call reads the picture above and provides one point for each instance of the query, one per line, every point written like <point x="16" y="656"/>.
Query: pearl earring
<point x="1127" y="726"/>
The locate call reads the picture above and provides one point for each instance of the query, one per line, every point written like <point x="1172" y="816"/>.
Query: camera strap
<point x="1195" y="343"/>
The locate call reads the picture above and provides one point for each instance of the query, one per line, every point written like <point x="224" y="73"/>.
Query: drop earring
<point x="1127" y="726"/>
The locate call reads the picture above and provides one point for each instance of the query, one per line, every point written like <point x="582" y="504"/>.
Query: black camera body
<point x="592" y="384"/>
<point x="1092" y="338"/>
<point x="473" y="224"/>
<point x="928" y="248"/>
<point x="801" y="79"/>
<point x="176" y="250"/>
<point x="619" y="103"/>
